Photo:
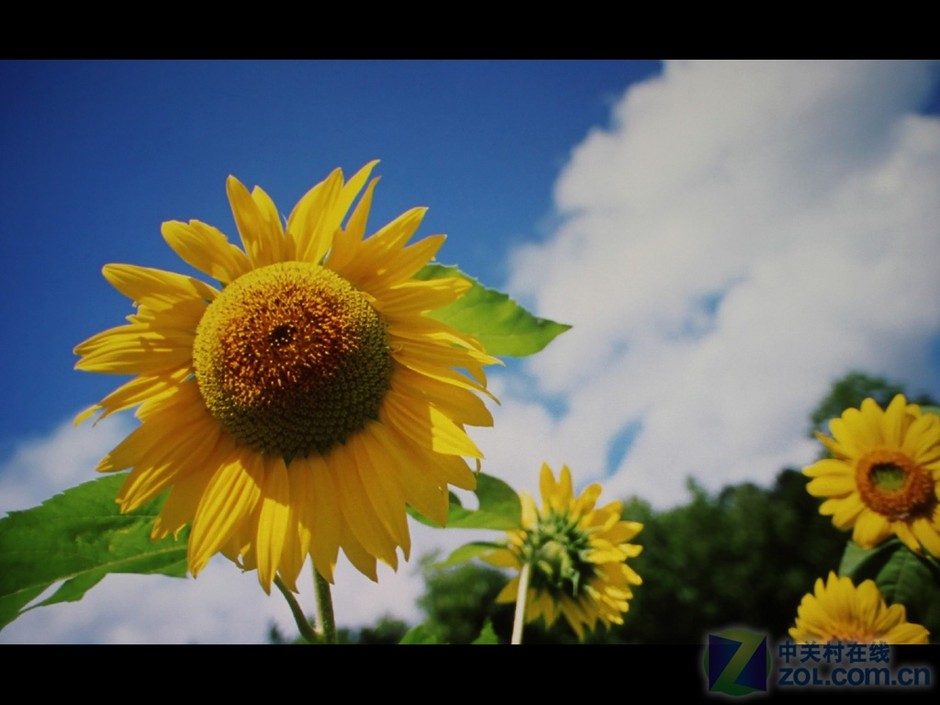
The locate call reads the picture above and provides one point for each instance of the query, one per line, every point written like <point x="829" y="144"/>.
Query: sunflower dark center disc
<point x="292" y="359"/>
<point x="894" y="485"/>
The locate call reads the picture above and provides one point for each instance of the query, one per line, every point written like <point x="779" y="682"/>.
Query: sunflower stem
<point x="306" y="631"/>
<point x="519" y="619"/>
<point x="325" y="607"/>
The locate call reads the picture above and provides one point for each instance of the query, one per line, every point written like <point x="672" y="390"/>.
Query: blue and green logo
<point x="737" y="662"/>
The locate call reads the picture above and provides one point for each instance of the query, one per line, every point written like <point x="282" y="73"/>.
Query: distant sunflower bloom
<point x="577" y="555"/>
<point x="837" y="610"/>
<point x="297" y="409"/>
<point x="884" y="476"/>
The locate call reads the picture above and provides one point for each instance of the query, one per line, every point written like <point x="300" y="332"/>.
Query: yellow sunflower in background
<point x="884" y="476"/>
<point x="577" y="555"/>
<point x="837" y="610"/>
<point x="297" y="409"/>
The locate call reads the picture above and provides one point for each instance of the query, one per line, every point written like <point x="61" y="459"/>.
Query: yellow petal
<point x="412" y="297"/>
<point x="378" y="252"/>
<point x="382" y="488"/>
<point x="260" y="230"/>
<point x="155" y="472"/>
<point x="458" y="404"/>
<point x="357" y="555"/>
<point x="928" y="535"/>
<point x="230" y="497"/>
<point x="509" y="592"/>
<point x="137" y="391"/>
<point x="831" y="486"/>
<point x="403" y="266"/>
<point x="164" y="423"/>
<point x="844" y="511"/>
<point x="328" y="522"/>
<point x="300" y="524"/>
<point x="316" y="217"/>
<point x="207" y="249"/>
<point x="358" y="514"/>
<point x="427" y="426"/>
<point x="273" y="519"/>
<point x="422" y="485"/>
<point x="922" y="441"/>
<point x="501" y="558"/>
<point x="346" y="242"/>
<point x="356" y="226"/>
<point x="180" y="505"/>
<point x="870" y="529"/>
<point x="136" y="349"/>
<point x="894" y="421"/>
<point x="829" y="466"/>
<point x="160" y="290"/>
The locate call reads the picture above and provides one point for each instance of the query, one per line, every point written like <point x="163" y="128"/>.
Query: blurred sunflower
<point x="837" y="610"/>
<point x="297" y="409"/>
<point x="577" y="556"/>
<point x="884" y="476"/>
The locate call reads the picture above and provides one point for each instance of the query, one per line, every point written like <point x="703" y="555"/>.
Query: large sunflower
<point x="884" y="476"/>
<point x="577" y="556"/>
<point x="837" y="610"/>
<point x="297" y="409"/>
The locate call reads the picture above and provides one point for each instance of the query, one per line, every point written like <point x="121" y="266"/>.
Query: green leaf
<point x="501" y="325"/>
<point x="902" y="577"/>
<point x="466" y="552"/>
<point x="487" y="635"/>
<point x="858" y="561"/>
<point x="498" y="508"/>
<point x="74" y="589"/>
<point x="79" y="536"/>
<point x="419" y="635"/>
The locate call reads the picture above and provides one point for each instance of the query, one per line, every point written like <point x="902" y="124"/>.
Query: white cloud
<point x="43" y="466"/>
<point x="741" y="235"/>
<point x="222" y="605"/>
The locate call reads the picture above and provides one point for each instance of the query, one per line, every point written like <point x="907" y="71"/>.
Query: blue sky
<point x="97" y="154"/>
<point x="726" y="237"/>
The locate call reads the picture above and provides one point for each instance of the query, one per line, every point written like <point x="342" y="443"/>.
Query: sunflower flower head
<point x="297" y="405"/>
<point x="883" y="478"/>
<point x="838" y="610"/>
<point x="577" y="555"/>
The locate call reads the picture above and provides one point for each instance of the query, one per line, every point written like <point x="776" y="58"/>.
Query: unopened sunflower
<point x="298" y="408"/>
<point x="837" y="610"/>
<point x="884" y="476"/>
<point x="577" y="556"/>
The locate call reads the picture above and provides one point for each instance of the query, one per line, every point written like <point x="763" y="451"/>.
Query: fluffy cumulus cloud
<point x="42" y="466"/>
<point x="741" y="235"/>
